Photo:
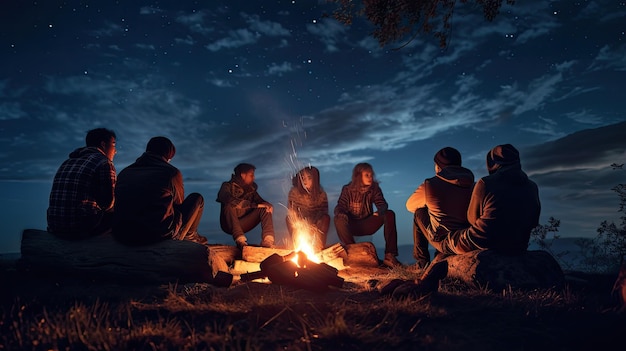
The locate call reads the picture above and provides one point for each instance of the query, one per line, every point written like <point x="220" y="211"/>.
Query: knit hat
<point x="161" y="146"/>
<point x="448" y="156"/>
<point x="500" y="156"/>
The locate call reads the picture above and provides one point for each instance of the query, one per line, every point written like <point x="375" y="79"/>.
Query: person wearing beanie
<point x="242" y="208"/>
<point x="150" y="203"/>
<point x="503" y="210"/>
<point x="439" y="204"/>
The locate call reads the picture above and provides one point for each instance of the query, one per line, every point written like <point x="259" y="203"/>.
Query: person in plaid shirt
<point x="82" y="195"/>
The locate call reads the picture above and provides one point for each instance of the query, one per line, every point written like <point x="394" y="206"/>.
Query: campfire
<point x="307" y="266"/>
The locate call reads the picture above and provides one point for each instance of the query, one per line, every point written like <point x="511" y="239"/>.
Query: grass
<point x="43" y="313"/>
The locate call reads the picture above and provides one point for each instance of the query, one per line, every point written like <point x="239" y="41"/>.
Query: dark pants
<point x="318" y="230"/>
<point x="191" y="210"/>
<point x="239" y="226"/>
<point x="347" y="229"/>
<point x="421" y="220"/>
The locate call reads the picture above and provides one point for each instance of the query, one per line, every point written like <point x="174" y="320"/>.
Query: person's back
<point x="440" y="203"/>
<point x="145" y="197"/>
<point x="447" y="197"/>
<point x="82" y="194"/>
<point x="504" y="208"/>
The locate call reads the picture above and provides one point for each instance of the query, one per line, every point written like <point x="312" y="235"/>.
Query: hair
<point x="357" y="178"/>
<point x="96" y="136"/>
<point x="243" y="168"/>
<point x="161" y="146"/>
<point x="316" y="188"/>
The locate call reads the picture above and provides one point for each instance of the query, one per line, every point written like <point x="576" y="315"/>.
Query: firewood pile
<point x="288" y="267"/>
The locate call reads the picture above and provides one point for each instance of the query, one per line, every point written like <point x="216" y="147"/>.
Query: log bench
<point x="169" y="261"/>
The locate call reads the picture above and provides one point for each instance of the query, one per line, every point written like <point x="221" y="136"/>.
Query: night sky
<point x="277" y="84"/>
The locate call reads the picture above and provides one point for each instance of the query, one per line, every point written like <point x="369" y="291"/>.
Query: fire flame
<point x="303" y="238"/>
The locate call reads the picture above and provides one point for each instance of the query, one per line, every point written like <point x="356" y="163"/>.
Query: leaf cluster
<point x="395" y="20"/>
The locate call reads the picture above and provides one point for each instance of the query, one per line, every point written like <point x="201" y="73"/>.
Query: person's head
<point x="448" y="156"/>
<point x="308" y="179"/>
<point x="502" y="156"/>
<point x="104" y="139"/>
<point x="363" y="174"/>
<point x="246" y="172"/>
<point x="161" y="146"/>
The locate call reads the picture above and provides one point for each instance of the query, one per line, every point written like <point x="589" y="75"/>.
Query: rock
<point x="488" y="268"/>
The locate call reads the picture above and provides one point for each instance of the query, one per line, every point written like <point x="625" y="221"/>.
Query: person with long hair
<point x="355" y="215"/>
<point x="307" y="208"/>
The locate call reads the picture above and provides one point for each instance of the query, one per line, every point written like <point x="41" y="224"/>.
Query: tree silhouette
<point x="395" y="20"/>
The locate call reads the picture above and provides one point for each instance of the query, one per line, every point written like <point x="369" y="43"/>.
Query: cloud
<point x="329" y="32"/>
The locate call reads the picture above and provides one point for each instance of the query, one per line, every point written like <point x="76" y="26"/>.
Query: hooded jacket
<point x="235" y="193"/>
<point x="82" y="189"/>
<point x="312" y="204"/>
<point x="447" y="196"/>
<point x="505" y="205"/>
<point x="146" y="193"/>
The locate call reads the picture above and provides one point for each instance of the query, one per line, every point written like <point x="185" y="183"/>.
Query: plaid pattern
<point x="82" y="189"/>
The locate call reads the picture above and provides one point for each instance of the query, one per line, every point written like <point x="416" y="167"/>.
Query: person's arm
<point x="342" y="203"/>
<point x="417" y="199"/>
<point x="379" y="200"/>
<point x="106" y="178"/>
<point x="179" y="189"/>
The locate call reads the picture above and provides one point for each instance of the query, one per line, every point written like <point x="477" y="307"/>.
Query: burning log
<point x="258" y="254"/>
<point x="296" y="270"/>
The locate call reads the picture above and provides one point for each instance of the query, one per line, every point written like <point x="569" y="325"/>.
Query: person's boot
<point x="391" y="261"/>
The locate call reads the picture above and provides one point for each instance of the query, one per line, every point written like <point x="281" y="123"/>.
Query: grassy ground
<point x="46" y="313"/>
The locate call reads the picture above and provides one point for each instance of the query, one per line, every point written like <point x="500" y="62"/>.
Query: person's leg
<point x="191" y="210"/>
<point x="267" y="228"/>
<point x="421" y="221"/>
<point x="232" y="224"/>
<point x="460" y="242"/>
<point x="342" y="225"/>
<point x="322" y="225"/>
<point x="391" y="233"/>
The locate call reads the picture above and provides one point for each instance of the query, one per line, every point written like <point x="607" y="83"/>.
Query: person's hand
<point x="375" y="213"/>
<point x="267" y="206"/>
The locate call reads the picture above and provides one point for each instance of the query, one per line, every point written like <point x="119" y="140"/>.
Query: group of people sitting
<point x="146" y="203"/>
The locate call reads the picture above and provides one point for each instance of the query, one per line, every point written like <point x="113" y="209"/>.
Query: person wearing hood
<point x="307" y="208"/>
<point x="242" y="208"/>
<point x="82" y="194"/>
<point x="503" y="210"/>
<point x="150" y="202"/>
<point x="439" y="204"/>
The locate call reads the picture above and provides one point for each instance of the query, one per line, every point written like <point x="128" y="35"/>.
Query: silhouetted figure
<point x="503" y="210"/>
<point x="242" y="208"/>
<point x="81" y="199"/>
<point x="307" y="207"/>
<point x="355" y="216"/>
<point x="150" y="203"/>
<point x="440" y="203"/>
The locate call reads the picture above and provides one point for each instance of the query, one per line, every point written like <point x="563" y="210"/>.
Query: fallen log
<point x="103" y="257"/>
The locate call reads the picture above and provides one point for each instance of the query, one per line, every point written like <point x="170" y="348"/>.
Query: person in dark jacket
<point x="150" y="201"/>
<point x="440" y="203"/>
<point x="242" y="208"/>
<point x="307" y="209"/>
<point x="82" y="195"/>
<point x="503" y="210"/>
<point x="355" y="216"/>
